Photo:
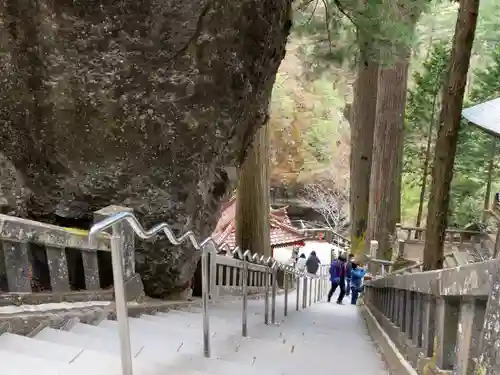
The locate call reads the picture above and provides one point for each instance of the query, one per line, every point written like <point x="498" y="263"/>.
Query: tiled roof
<point x="282" y="232"/>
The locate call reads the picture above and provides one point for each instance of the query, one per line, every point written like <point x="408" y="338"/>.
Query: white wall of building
<point x="323" y="251"/>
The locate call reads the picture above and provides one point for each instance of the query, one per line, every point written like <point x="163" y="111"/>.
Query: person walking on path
<point x="337" y="278"/>
<point x="312" y="263"/>
<point x="348" y="274"/>
<point x="357" y="274"/>
<point x="301" y="262"/>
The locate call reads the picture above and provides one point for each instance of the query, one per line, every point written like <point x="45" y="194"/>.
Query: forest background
<point x="310" y="134"/>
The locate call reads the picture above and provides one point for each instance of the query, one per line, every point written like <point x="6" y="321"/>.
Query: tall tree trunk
<point x="388" y="135"/>
<point x="252" y="199"/>
<point x="398" y="183"/>
<point x="385" y="180"/>
<point x="446" y="142"/>
<point x="362" y="121"/>
<point x="425" y="169"/>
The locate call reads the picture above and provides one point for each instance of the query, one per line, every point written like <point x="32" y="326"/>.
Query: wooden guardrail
<point x="417" y="234"/>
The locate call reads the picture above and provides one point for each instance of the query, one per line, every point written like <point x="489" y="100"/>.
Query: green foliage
<point x="327" y="36"/>
<point x="422" y="110"/>
<point x="306" y="121"/>
<point x="474" y="145"/>
<point x="342" y="29"/>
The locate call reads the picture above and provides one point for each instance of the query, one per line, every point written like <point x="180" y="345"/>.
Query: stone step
<point x="148" y="343"/>
<point x="283" y="358"/>
<point x="77" y="358"/>
<point x="17" y="364"/>
<point x="139" y="327"/>
<point x="37" y="348"/>
<point x="216" y="366"/>
<point x="110" y="345"/>
<point x="154" y="336"/>
<point x="217" y="317"/>
<point x="196" y="322"/>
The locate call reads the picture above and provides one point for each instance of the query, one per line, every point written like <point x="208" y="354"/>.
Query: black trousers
<point x="340" y="284"/>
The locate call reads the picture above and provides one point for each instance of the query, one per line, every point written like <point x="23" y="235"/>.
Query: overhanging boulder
<point x="136" y="103"/>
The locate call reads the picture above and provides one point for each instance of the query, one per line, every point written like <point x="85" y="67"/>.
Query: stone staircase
<point x="318" y="337"/>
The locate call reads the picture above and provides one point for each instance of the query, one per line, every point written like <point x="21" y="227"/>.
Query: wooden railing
<point x="417" y="234"/>
<point x="328" y="235"/>
<point x="229" y="278"/>
<point x="439" y="320"/>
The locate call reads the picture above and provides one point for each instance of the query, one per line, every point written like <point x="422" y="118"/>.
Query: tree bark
<point x="252" y="198"/>
<point x="427" y="160"/>
<point x="446" y="142"/>
<point x="386" y="161"/>
<point x="362" y="120"/>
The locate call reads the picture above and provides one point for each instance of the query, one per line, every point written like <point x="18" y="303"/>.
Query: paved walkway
<point x="324" y="338"/>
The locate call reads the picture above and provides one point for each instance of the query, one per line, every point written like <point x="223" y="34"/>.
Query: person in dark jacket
<point x="348" y="274"/>
<point x="312" y="263"/>
<point x="337" y="278"/>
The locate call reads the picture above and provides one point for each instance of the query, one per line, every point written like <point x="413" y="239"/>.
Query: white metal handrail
<point x="207" y="247"/>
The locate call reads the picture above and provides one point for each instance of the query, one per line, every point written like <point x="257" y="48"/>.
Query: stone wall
<point x="442" y="320"/>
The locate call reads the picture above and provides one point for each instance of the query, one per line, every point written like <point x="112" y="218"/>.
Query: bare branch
<point x="329" y="201"/>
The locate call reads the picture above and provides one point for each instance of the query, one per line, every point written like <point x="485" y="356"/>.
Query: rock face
<point x="136" y="103"/>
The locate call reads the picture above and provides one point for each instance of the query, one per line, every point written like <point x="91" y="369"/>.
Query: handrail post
<point x="285" y="287"/>
<point x="298" y="292"/>
<point x="207" y="257"/>
<point x="310" y="290"/>
<point x="245" y="296"/>
<point x="120" y="301"/>
<point x="316" y="290"/>
<point x="320" y="280"/>
<point x="266" y="297"/>
<point x="304" y="293"/>
<point x="274" y="292"/>
<point x="213" y="290"/>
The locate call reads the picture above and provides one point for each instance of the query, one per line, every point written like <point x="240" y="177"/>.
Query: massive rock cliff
<point x="136" y="103"/>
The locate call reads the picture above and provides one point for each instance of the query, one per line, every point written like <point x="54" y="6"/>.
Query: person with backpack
<point x="337" y="278"/>
<point x="312" y="263"/>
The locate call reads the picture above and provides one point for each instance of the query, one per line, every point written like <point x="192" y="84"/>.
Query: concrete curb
<point x="397" y="364"/>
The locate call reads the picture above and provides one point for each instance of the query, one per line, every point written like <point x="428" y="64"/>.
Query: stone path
<point x="324" y="338"/>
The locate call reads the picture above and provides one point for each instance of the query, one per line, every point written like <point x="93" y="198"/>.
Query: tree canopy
<point x="315" y="81"/>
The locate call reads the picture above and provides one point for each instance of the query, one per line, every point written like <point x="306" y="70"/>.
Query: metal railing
<point x="208" y="250"/>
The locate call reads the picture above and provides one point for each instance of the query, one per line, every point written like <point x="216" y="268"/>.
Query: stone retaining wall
<point x="443" y="320"/>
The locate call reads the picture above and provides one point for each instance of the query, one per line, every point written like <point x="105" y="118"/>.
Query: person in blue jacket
<point x="357" y="274"/>
<point x="337" y="278"/>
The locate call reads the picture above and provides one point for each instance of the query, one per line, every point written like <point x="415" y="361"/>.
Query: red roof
<point x="282" y="232"/>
